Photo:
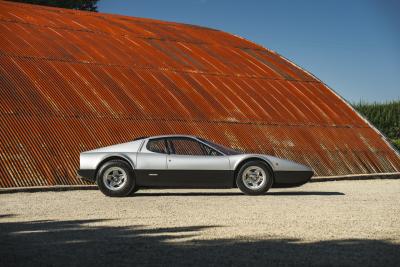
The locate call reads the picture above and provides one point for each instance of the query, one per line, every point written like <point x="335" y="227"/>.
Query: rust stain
<point x="72" y="81"/>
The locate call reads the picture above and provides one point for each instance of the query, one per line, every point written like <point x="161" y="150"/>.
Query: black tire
<point x="263" y="187"/>
<point x="127" y="186"/>
<point x="135" y="189"/>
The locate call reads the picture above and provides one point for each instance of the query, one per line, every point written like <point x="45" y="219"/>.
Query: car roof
<point x="170" y="135"/>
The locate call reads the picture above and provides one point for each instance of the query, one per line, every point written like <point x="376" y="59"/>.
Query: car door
<point x="191" y="163"/>
<point x="151" y="163"/>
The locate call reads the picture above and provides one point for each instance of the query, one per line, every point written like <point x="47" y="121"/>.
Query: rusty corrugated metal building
<point x="72" y="81"/>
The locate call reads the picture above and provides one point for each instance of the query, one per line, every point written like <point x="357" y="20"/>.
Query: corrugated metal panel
<point x="71" y="81"/>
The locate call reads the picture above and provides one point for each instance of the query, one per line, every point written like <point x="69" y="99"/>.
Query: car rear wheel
<point x="115" y="178"/>
<point x="254" y="178"/>
<point x="134" y="190"/>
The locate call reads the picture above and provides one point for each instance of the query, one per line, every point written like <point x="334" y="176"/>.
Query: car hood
<point x="277" y="164"/>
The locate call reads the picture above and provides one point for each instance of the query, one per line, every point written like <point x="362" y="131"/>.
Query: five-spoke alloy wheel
<point x="254" y="178"/>
<point x="115" y="178"/>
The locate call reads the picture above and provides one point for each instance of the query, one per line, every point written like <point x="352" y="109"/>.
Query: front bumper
<point x="87" y="175"/>
<point x="291" y="178"/>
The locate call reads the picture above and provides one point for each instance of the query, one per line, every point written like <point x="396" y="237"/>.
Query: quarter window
<point x="157" y="145"/>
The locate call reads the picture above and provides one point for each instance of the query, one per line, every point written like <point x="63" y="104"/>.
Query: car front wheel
<point x="254" y="178"/>
<point x="115" y="178"/>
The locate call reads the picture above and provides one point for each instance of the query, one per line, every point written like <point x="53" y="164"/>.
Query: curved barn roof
<point x="72" y="81"/>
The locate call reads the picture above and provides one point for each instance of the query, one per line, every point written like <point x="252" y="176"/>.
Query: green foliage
<point x="89" y="5"/>
<point x="384" y="116"/>
<point x="396" y="143"/>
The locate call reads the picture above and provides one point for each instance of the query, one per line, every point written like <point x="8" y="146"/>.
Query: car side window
<point x="157" y="145"/>
<point x="187" y="146"/>
<point x="209" y="151"/>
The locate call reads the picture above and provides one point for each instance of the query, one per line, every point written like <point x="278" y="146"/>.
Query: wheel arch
<point x="244" y="161"/>
<point x="114" y="157"/>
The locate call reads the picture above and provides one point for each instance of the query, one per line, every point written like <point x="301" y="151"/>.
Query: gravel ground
<point x="329" y="223"/>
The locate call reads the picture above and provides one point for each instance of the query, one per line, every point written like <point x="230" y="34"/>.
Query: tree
<point x="89" y="5"/>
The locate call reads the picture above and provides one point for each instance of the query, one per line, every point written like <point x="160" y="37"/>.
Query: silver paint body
<point x="140" y="158"/>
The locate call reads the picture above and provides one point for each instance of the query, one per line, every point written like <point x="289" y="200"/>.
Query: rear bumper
<point x="291" y="178"/>
<point x="87" y="175"/>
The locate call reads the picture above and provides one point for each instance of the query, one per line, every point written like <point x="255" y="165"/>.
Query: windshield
<point x="225" y="150"/>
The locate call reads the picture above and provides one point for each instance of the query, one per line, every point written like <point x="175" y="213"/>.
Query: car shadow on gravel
<point x="6" y="216"/>
<point x="306" y="193"/>
<point x="85" y="243"/>
<point x="287" y="193"/>
<point x="177" y="194"/>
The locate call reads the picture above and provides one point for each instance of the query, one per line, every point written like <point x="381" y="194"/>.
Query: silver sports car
<point x="183" y="161"/>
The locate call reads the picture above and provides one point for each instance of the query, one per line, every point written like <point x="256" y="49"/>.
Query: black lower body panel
<point x="87" y="175"/>
<point x="185" y="178"/>
<point x="291" y="178"/>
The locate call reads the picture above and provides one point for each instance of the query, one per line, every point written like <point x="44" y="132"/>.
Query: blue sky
<point x="353" y="46"/>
